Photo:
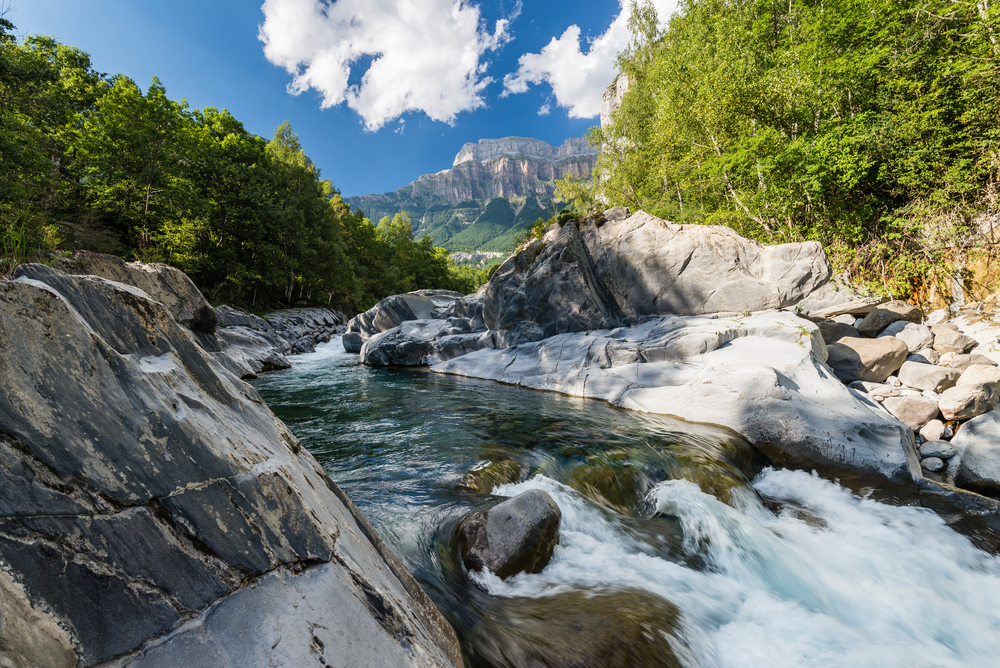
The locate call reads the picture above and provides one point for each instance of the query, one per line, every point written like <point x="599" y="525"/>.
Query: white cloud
<point x="545" y="109"/>
<point x="427" y="54"/>
<point x="578" y="79"/>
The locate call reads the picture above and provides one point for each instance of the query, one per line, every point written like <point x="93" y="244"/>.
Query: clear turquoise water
<point x="767" y="568"/>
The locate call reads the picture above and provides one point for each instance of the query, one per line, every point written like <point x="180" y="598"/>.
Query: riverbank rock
<point x="163" y="283"/>
<point x="928" y="376"/>
<point x="947" y="339"/>
<point x="885" y="314"/>
<point x="965" y="401"/>
<point x="515" y="536"/>
<point x="916" y="337"/>
<point x="393" y="311"/>
<point x="913" y="411"/>
<point x="871" y="360"/>
<point x="143" y="485"/>
<point x="761" y="375"/>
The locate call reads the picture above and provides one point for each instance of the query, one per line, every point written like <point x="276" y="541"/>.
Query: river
<point x="681" y="528"/>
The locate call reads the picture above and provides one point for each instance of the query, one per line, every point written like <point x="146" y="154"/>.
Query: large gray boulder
<point x="417" y="342"/>
<point x="978" y="442"/>
<point x="393" y="311"/>
<point x="885" y="314"/>
<point x="553" y="284"/>
<point x="515" y="536"/>
<point x="654" y="267"/>
<point x="916" y="337"/>
<point x="168" y="285"/>
<point x="761" y="375"/>
<point x="143" y="484"/>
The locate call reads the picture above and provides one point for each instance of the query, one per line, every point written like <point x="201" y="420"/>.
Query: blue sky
<point x="481" y="69"/>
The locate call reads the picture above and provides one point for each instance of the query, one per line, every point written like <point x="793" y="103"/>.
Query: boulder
<point x="927" y="376"/>
<point x="143" y="483"/>
<point x="552" y="283"/>
<point x="866" y="359"/>
<point x="932" y="464"/>
<point x="979" y="373"/>
<point x="914" y="412"/>
<point x="630" y="628"/>
<point x="962" y="362"/>
<point x="978" y="441"/>
<point x="858" y="307"/>
<point x="935" y="430"/>
<point x="948" y="340"/>
<point x="165" y="284"/>
<point x="939" y="449"/>
<point x="916" y="337"/>
<point x="937" y="317"/>
<point x="392" y="311"/>
<point x="515" y="536"/>
<point x="417" y="342"/>
<point x="965" y="401"/>
<point x="885" y="314"/>
<point x="490" y="474"/>
<point x="654" y="267"/>
<point x="761" y="375"/>
<point x="833" y="331"/>
<point x="925" y="356"/>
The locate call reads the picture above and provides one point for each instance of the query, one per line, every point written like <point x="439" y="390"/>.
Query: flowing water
<point x="677" y="541"/>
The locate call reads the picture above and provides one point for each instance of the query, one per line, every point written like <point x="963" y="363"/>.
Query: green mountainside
<point x="494" y="191"/>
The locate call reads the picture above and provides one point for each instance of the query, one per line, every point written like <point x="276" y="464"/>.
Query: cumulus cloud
<point x="426" y="55"/>
<point x="579" y="79"/>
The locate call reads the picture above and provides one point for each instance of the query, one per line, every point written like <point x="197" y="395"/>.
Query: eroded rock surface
<point x="143" y="483"/>
<point x="393" y="311"/>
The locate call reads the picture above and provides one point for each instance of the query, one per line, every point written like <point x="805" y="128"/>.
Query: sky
<point x="379" y="91"/>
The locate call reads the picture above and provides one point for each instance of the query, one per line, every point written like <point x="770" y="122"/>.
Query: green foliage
<point x="94" y="162"/>
<point x="872" y="128"/>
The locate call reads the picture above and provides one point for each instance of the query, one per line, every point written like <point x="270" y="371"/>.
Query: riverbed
<point x="733" y="563"/>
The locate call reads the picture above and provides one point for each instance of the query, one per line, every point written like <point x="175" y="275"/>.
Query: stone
<point x="932" y="464"/>
<point x="760" y="375"/>
<point x="845" y="319"/>
<point x="916" y="337"/>
<point x="962" y="362"/>
<point x="927" y="376"/>
<point x="933" y="430"/>
<point x="352" y="342"/>
<point x="978" y="441"/>
<point x="936" y="317"/>
<point x="624" y="628"/>
<point x="969" y="400"/>
<point x="858" y="307"/>
<point x="168" y="285"/>
<point x="980" y="373"/>
<point x="894" y="381"/>
<point x="143" y="483"/>
<point x="417" y="342"/>
<point x="393" y="311"/>
<point x="925" y="356"/>
<point x="914" y="412"/>
<point x="866" y="359"/>
<point x="930" y="394"/>
<point x="939" y="449"/>
<point x="885" y="314"/>
<point x="552" y="283"/>
<point x="492" y="474"/>
<point x="653" y="267"/>
<point x="518" y="535"/>
<point x="833" y="331"/>
<point x="875" y="390"/>
<point x="947" y="340"/>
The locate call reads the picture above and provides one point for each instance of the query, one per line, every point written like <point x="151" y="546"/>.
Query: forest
<point x="872" y="127"/>
<point x="90" y="161"/>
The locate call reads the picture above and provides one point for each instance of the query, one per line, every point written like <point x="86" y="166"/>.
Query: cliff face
<point x="520" y="170"/>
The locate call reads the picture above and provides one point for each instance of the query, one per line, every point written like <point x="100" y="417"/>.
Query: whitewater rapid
<point x="831" y="580"/>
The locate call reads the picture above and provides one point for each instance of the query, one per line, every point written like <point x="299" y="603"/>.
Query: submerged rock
<point x="628" y="628"/>
<point x="517" y="535"/>
<point x="143" y="483"/>
<point x="487" y="477"/>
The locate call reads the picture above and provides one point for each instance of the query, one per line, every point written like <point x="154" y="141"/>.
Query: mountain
<point x="494" y="190"/>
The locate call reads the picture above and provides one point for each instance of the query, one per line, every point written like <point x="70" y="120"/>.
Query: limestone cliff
<point x="519" y="170"/>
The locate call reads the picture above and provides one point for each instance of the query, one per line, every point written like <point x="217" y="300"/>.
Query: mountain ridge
<point x="445" y="204"/>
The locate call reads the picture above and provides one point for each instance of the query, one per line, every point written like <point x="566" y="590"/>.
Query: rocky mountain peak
<point x="533" y="149"/>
